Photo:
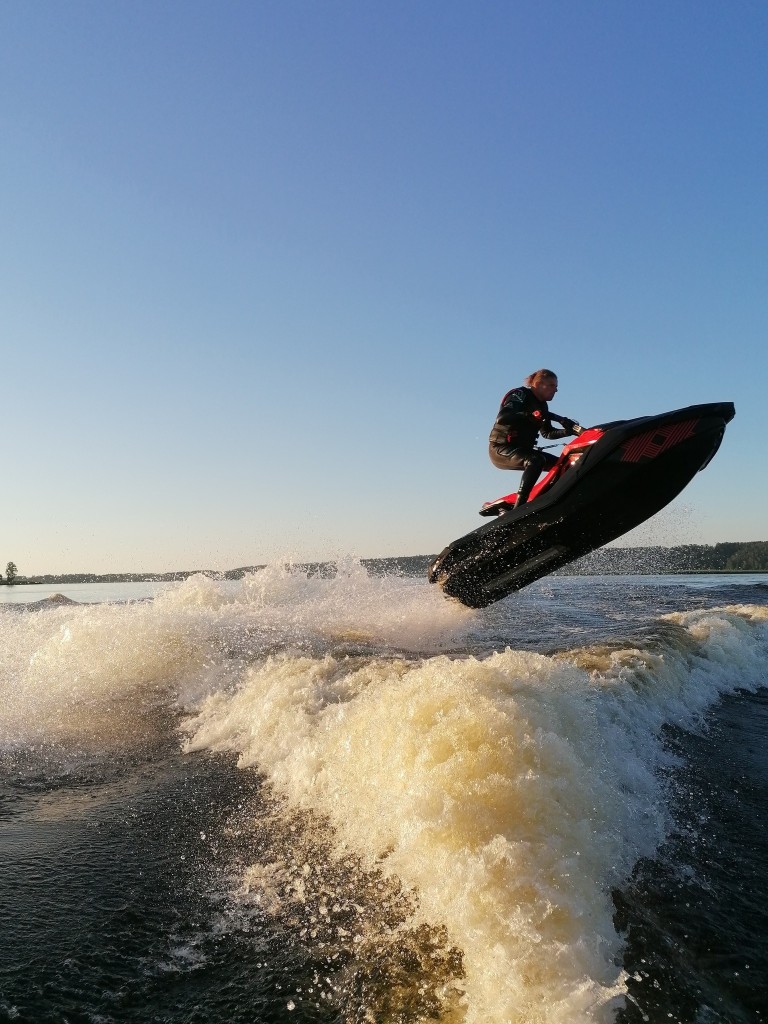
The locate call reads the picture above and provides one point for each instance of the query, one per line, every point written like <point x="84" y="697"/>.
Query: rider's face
<point x="545" y="389"/>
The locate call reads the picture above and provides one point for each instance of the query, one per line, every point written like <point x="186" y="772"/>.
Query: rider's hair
<point x="539" y="376"/>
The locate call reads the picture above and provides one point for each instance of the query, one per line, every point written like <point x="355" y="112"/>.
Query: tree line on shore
<point x="729" y="556"/>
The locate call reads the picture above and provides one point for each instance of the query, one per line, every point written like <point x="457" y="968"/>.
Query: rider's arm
<point x="553" y="434"/>
<point x="569" y="428"/>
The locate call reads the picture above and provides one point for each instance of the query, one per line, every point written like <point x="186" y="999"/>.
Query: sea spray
<point x="63" y="671"/>
<point x="499" y="798"/>
<point x="58" y="660"/>
<point x="509" y="794"/>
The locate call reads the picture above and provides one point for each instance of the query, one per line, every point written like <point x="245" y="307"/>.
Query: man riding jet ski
<point x="523" y="415"/>
<point x="609" y="479"/>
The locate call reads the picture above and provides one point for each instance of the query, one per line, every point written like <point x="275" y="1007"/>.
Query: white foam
<point x="511" y="793"/>
<point x="294" y="605"/>
<point x="61" y="666"/>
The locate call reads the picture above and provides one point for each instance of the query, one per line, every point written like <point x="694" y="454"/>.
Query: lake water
<point x="293" y="798"/>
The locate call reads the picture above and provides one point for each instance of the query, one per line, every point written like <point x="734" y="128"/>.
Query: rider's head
<point x="543" y="383"/>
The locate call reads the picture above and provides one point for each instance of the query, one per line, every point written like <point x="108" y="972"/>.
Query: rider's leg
<point x="531" y="473"/>
<point x="532" y="462"/>
<point x="537" y="463"/>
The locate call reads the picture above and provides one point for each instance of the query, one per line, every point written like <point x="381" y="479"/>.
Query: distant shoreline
<point x="690" y="560"/>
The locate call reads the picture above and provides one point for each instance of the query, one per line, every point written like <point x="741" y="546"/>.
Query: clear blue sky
<point x="268" y="267"/>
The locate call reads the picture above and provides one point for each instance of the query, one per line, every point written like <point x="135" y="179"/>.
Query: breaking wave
<point x="494" y="801"/>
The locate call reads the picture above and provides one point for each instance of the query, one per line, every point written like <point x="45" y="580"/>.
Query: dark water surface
<point x="696" y="917"/>
<point x="186" y="835"/>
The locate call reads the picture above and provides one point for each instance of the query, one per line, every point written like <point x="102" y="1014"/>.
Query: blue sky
<point x="268" y="267"/>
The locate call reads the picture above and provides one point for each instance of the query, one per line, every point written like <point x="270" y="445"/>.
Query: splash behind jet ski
<point x="607" y="481"/>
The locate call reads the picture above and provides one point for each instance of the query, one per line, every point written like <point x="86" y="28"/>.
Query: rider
<point x="522" y="417"/>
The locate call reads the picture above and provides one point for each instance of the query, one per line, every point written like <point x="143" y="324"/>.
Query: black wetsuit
<point x="521" y="418"/>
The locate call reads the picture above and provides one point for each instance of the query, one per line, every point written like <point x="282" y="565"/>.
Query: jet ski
<point x="609" y="479"/>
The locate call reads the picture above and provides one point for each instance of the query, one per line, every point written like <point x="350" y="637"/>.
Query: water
<point x="293" y="798"/>
<point x="83" y="593"/>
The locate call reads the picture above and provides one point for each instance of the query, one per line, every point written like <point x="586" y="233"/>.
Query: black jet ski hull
<point x="603" y="489"/>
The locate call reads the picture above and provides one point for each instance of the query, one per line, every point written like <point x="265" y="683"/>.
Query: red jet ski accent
<point x="606" y="481"/>
<point x="569" y="456"/>
<point x="653" y="443"/>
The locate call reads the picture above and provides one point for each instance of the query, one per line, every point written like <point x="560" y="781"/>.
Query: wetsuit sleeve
<point x="552" y="433"/>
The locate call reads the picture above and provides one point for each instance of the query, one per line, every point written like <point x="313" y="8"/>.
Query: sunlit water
<point x="348" y="799"/>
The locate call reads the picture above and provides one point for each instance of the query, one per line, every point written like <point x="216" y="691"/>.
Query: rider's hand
<point x="577" y="429"/>
<point x="567" y="425"/>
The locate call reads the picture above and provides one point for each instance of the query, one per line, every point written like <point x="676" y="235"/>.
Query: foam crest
<point x="64" y="670"/>
<point x="63" y="666"/>
<point x="295" y="604"/>
<point x="510" y="793"/>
